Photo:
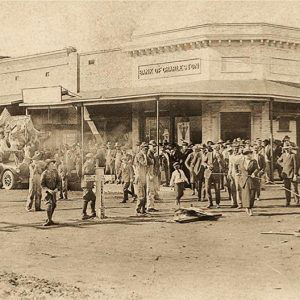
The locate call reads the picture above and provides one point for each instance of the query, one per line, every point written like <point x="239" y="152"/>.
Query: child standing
<point x="177" y="180"/>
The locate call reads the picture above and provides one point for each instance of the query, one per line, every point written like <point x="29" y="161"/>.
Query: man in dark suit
<point x="261" y="163"/>
<point x="212" y="162"/>
<point x="288" y="162"/>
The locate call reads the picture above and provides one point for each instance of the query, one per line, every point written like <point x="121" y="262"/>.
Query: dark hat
<point x="247" y="151"/>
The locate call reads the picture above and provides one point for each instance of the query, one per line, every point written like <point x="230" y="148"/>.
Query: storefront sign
<point x="170" y="69"/>
<point x="43" y="95"/>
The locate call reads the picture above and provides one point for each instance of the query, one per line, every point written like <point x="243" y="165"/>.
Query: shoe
<point x="49" y="223"/>
<point x="39" y="209"/>
<point x="152" y="210"/>
<point x="287" y="204"/>
<point x="218" y="206"/>
<point x="233" y="206"/>
<point x="93" y="215"/>
<point x="124" y="201"/>
<point x="193" y="193"/>
<point x="27" y="209"/>
<point x="199" y="200"/>
<point x="209" y="206"/>
<point x="85" y="217"/>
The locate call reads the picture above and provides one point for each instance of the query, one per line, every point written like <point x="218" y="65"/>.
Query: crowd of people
<point x="241" y="167"/>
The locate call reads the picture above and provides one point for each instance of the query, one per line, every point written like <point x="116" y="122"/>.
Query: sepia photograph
<point x="149" y="150"/>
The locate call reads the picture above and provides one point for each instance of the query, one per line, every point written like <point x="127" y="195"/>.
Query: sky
<point x="28" y="27"/>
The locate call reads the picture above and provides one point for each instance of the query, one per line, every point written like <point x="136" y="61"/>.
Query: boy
<point x="177" y="180"/>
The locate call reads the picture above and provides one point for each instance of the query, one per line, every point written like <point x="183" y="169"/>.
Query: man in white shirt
<point x="177" y="180"/>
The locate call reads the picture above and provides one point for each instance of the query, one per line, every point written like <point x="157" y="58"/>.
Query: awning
<point x="198" y="90"/>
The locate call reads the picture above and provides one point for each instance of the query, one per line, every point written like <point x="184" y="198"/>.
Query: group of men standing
<point x="240" y="167"/>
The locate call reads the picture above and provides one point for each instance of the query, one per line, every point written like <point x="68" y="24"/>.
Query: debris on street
<point x="186" y="215"/>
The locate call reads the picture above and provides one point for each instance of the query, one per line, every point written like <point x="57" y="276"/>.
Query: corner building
<point x="196" y="84"/>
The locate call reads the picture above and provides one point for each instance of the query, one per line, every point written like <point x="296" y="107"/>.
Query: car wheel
<point x="8" y="180"/>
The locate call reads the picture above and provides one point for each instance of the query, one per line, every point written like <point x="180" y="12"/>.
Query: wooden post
<point x="82" y="136"/>
<point x="100" y="191"/>
<point x="271" y="135"/>
<point x="157" y="123"/>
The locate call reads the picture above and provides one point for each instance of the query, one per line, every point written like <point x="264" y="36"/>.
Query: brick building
<point x="194" y="83"/>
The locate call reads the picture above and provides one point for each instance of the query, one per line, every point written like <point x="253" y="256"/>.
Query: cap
<point x="220" y="141"/>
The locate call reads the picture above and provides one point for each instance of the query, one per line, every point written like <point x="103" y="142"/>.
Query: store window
<point x="284" y="124"/>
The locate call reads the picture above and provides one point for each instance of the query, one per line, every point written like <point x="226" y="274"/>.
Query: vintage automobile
<point x="13" y="176"/>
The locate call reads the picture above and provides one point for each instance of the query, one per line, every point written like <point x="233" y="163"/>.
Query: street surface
<point x="128" y="257"/>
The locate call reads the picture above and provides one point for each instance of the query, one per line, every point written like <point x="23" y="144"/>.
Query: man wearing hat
<point x="261" y="167"/>
<point x="184" y="153"/>
<point x="88" y="168"/>
<point x="178" y="179"/>
<point x="289" y="165"/>
<point x="118" y="158"/>
<point x="50" y="183"/>
<point x="190" y="165"/>
<point x="142" y="165"/>
<point x="153" y="176"/>
<point x="267" y="155"/>
<point x="213" y="164"/>
<point x="36" y="169"/>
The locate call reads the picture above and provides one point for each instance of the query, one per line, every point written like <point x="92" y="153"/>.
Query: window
<point x="17" y="78"/>
<point x="91" y="61"/>
<point x="284" y="124"/>
<point x="47" y="74"/>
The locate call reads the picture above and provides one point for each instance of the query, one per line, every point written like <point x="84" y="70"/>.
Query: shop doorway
<point x="235" y="124"/>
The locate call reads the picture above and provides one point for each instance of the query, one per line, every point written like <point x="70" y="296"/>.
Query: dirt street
<point x="128" y="257"/>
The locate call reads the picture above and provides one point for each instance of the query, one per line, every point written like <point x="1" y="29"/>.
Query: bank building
<point x="206" y="82"/>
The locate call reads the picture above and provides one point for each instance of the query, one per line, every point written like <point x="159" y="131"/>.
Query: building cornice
<point x="214" y="35"/>
<point x="259" y="24"/>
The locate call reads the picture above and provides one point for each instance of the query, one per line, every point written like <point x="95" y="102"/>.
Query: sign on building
<point x="170" y="69"/>
<point x="42" y="95"/>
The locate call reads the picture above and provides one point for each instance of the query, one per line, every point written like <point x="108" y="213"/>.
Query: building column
<point x="210" y="121"/>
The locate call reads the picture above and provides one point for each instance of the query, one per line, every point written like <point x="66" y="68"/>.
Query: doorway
<point x="235" y="125"/>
